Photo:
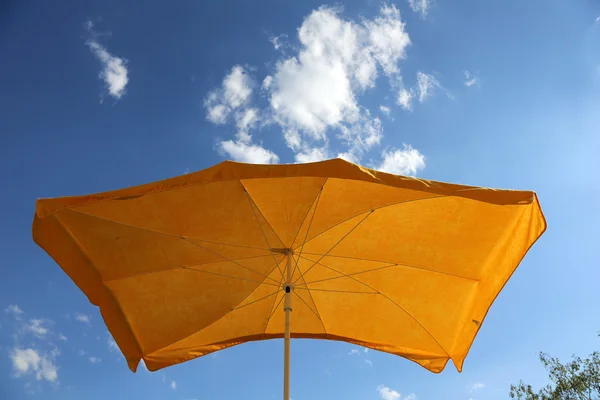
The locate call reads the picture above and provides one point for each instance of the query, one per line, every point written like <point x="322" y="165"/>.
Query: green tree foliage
<point x="578" y="379"/>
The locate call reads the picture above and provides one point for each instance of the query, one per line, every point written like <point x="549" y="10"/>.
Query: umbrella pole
<point x="287" y="307"/>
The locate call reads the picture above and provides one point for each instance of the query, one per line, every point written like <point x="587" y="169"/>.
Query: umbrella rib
<point x="317" y="197"/>
<point x="337" y="243"/>
<point x="250" y="202"/>
<point x="177" y="267"/>
<point x="161" y="232"/>
<point x="343" y="275"/>
<point x="257" y="300"/>
<point x="228" y="276"/>
<point x="213" y="322"/>
<point x="273" y="307"/>
<point x="374" y="209"/>
<point x="399" y="306"/>
<point x="263" y="215"/>
<point x="316" y="312"/>
<point x="272" y="313"/>
<point x="231" y="260"/>
<point x="335" y="291"/>
<point x="395" y="264"/>
<point x="307" y="229"/>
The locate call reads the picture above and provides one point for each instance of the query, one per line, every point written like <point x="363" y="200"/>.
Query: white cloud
<point x="36" y="326"/>
<point x="62" y="337"/>
<point x="426" y="85"/>
<point x="234" y="98"/>
<point x="312" y="155"/>
<point x="14" y="309"/>
<point x="477" y="386"/>
<point x="405" y="161"/>
<point x="470" y="80"/>
<point x="385" y="110"/>
<point x="249" y="153"/>
<point x="234" y="93"/>
<point x="29" y="361"/>
<point x="266" y="84"/>
<point x="114" y="71"/>
<point x="317" y="89"/>
<point x="173" y="385"/>
<point x="411" y="396"/>
<point x="597" y="19"/>
<point x="94" y="360"/>
<point x="420" y="6"/>
<point x="405" y="97"/>
<point x="366" y="350"/>
<point x="385" y="393"/>
<point x="353" y="352"/>
<point x="313" y="92"/>
<point x="277" y="41"/>
<point x="369" y="362"/>
<point x="83" y="318"/>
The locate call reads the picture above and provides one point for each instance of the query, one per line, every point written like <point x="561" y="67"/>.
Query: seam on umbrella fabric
<point x="372" y="210"/>
<point x="164" y="233"/>
<point x="403" y="309"/>
<point x="235" y="262"/>
<point x="191" y="266"/>
<point x="336" y="244"/>
<point x="318" y="198"/>
<point x="107" y="291"/>
<point x="399" y="264"/>
<point x="262" y="214"/>
<point x="250" y="203"/>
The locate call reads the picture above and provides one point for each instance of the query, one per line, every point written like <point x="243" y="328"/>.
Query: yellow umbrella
<point x="197" y="263"/>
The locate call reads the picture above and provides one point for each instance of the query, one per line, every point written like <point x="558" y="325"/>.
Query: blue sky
<point x="105" y="94"/>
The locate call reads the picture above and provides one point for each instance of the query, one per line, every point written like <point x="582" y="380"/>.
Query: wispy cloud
<point x="405" y="161"/>
<point x="385" y="110"/>
<point x="426" y="85"/>
<point x="405" y="98"/>
<point x="173" y="385"/>
<point x="313" y="95"/>
<point x="83" y="318"/>
<point x="94" y="360"/>
<point x="36" y="326"/>
<point x="14" y="309"/>
<point x="353" y="352"/>
<point x="369" y="362"/>
<point x="420" y="6"/>
<point x="470" y="80"/>
<point x="386" y="393"/>
<point x="114" y="70"/>
<point x="231" y="103"/>
<point x="62" y="337"/>
<point x="476" y="386"/>
<point x="278" y="41"/>
<point x="31" y="362"/>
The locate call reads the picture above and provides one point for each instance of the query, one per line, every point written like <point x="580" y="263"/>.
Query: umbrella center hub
<point x="288" y="287"/>
<point x="281" y="250"/>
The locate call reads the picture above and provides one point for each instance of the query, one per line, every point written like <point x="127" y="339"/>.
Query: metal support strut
<point x="287" y="308"/>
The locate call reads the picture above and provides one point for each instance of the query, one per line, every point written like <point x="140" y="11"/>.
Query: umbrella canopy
<point x="197" y="263"/>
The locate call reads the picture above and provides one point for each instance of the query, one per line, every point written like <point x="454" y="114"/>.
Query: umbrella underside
<point x="188" y="266"/>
